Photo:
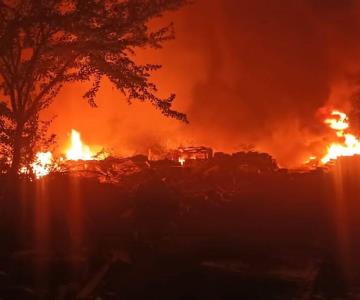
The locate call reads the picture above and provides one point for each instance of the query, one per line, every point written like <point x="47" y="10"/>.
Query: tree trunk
<point x="11" y="209"/>
<point x="16" y="151"/>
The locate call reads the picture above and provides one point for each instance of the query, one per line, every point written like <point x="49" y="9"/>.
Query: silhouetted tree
<point x="45" y="44"/>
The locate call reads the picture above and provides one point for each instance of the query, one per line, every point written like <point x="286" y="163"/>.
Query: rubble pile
<point x="200" y="161"/>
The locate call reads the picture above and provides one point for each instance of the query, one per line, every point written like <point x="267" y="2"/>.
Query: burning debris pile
<point x="83" y="160"/>
<point x="76" y="156"/>
<point x="80" y="160"/>
<point x="109" y="170"/>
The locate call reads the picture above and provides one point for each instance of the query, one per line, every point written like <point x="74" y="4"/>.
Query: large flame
<point x="43" y="164"/>
<point x="350" y="144"/>
<point x="77" y="150"/>
<point x="340" y="123"/>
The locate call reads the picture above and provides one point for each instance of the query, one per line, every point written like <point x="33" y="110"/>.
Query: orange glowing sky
<point x="246" y="73"/>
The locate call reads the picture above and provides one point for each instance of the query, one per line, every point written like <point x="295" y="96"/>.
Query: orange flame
<point x="77" y="150"/>
<point x="339" y="124"/>
<point x="43" y="164"/>
<point x="182" y="161"/>
<point x="350" y="144"/>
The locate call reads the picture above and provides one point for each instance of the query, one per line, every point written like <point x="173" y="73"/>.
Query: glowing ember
<point x="350" y="144"/>
<point x="311" y="159"/>
<point x="78" y="151"/>
<point x="182" y="161"/>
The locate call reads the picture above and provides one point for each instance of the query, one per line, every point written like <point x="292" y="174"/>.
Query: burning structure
<point x="182" y="154"/>
<point x="192" y="153"/>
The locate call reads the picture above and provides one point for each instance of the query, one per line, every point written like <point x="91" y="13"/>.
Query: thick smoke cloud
<point x="247" y="72"/>
<point x="270" y="66"/>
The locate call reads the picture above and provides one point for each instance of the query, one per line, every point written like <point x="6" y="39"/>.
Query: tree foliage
<point x="45" y="44"/>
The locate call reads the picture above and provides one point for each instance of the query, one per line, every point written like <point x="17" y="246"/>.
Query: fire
<point x="311" y="159"/>
<point x="77" y="150"/>
<point x="182" y="161"/>
<point x="43" y="164"/>
<point x="350" y="144"/>
<point x="339" y="124"/>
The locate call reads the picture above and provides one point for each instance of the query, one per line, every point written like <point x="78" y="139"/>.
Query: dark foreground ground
<point x="212" y="230"/>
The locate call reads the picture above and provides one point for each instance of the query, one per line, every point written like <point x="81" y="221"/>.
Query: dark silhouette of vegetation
<point x="204" y="230"/>
<point x="45" y="44"/>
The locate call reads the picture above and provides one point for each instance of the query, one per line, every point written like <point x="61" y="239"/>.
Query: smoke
<point x="248" y="72"/>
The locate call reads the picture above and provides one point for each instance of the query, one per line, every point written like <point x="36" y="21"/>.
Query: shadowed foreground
<point x="206" y="231"/>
